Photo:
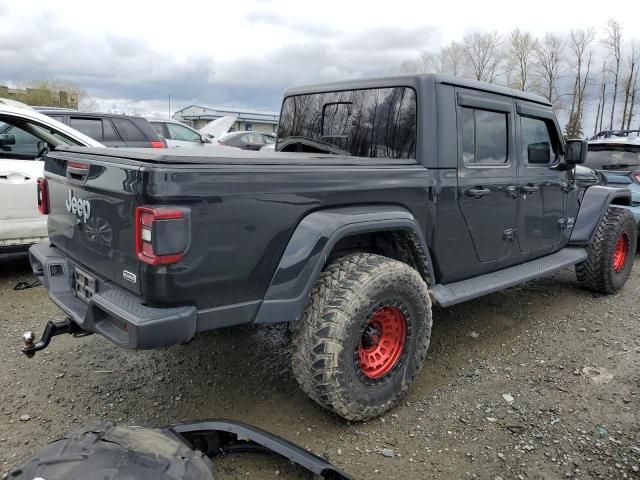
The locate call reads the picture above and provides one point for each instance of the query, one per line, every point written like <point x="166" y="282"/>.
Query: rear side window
<point x="129" y="130"/>
<point x="109" y="133"/>
<point x="379" y="123"/>
<point x="538" y="147"/>
<point x="158" y="127"/>
<point x="178" y="132"/>
<point x="485" y="137"/>
<point x="613" y="156"/>
<point x="91" y="127"/>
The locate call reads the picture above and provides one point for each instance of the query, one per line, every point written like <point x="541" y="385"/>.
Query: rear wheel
<point x="610" y="253"/>
<point x="364" y="335"/>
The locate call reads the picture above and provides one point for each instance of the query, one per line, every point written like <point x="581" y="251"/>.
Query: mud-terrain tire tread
<point x="596" y="272"/>
<point x="318" y="338"/>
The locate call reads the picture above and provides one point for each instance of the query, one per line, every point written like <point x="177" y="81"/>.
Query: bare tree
<point x="629" y="85"/>
<point x="549" y="56"/>
<point x="613" y="41"/>
<point x="580" y="42"/>
<point x="484" y="55"/>
<point x="409" y="66"/>
<point x="601" y="100"/>
<point x="521" y="53"/>
<point x="634" y="90"/>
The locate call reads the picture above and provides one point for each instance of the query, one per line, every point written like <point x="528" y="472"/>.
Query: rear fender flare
<point x="594" y="204"/>
<point x="310" y="246"/>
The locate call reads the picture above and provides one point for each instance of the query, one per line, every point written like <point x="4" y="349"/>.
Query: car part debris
<point x="22" y="285"/>
<point x="176" y="452"/>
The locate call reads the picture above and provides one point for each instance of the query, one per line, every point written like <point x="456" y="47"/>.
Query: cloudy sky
<point x="131" y="55"/>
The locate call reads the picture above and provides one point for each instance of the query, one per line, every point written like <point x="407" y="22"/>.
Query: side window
<point x="538" y="147"/>
<point x="128" y="130"/>
<point x="256" y="139"/>
<point x="25" y="143"/>
<point x="485" y="137"/>
<point x="178" y="132"/>
<point x="158" y="127"/>
<point x="91" y="127"/>
<point x="110" y="134"/>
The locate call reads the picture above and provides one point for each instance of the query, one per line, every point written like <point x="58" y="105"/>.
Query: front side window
<point x="538" y="148"/>
<point x="485" y="136"/>
<point x="378" y="123"/>
<point x="19" y="141"/>
<point x="178" y="132"/>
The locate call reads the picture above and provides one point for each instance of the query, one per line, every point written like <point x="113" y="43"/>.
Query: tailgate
<point x="92" y="205"/>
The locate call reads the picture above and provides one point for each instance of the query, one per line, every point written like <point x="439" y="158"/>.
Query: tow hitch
<point x="51" y="330"/>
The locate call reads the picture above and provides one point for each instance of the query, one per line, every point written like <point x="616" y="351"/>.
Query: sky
<point x="130" y="56"/>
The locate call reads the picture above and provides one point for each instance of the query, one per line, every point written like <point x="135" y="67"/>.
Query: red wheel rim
<point x="382" y="342"/>
<point x="620" y="252"/>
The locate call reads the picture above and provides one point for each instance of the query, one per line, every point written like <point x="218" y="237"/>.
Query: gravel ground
<point x="540" y="381"/>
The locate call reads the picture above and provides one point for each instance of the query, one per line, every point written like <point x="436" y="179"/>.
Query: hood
<point x="219" y="127"/>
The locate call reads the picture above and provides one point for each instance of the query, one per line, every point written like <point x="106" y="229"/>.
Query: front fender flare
<point x="594" y="203"/>
<point x="310" y="246"/>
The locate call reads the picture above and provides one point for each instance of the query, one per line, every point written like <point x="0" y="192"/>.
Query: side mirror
<point x="539" y="153"/>
<point x="205" y="139"/>
<point x="6" y="140"/>
<point x="576" y="152"/>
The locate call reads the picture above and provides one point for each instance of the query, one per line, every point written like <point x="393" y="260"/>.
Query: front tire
<point x="364" y="335"/>
<point x="610" y="253"/>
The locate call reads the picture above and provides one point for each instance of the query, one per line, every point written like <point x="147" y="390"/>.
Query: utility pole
<point x="169" y="105"/>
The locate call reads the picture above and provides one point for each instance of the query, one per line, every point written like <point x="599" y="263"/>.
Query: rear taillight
<point x="636" y="176"/>
<point x="162" y="235"/>
<point x="43" y="196"/>
<point x="157" y="144"/>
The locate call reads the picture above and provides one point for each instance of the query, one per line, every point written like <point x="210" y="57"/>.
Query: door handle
<point x="477" y="192"/>
<point x="14" y="177"/>
<point x="529" y="188"/>
<point x="512" y="191"/>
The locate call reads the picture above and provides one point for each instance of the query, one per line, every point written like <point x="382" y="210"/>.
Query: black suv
<point x="109" y="129"/>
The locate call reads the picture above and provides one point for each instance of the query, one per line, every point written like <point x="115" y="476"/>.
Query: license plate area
<point x="85" y="285"/>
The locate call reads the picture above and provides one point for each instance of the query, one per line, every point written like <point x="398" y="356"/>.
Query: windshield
<point x="379" y="123"/>
<point x="613" y="157"/>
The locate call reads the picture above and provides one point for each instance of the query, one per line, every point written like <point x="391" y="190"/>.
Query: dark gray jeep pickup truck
<point x="385" y="196"/>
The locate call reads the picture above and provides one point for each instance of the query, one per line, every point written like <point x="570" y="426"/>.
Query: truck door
<point x="542" y="188"/>
<point x="487" y="176"/>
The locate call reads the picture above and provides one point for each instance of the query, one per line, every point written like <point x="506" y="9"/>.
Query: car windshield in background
<point x="379" y="123"/>
<point x="613" y="157"/>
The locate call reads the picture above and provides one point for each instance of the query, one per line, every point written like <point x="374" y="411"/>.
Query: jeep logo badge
<point x="77" y="206"/>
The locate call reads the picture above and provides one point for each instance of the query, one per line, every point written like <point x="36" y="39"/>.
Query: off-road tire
<point x="326" y="340"/>
<point x="597" y="272"/>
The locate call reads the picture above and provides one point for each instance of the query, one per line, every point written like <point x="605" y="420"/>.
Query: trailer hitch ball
<point x="51" y="330"/>
<point x="29" y="338"/>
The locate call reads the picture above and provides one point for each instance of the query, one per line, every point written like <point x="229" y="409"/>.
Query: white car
<point x="179" y="135"/>
<point x="24" y="137"/>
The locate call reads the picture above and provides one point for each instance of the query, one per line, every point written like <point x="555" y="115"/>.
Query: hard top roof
<point x="413" y="80"/>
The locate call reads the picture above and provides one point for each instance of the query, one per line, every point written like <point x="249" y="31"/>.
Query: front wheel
<point x="610" y="253"/>
<point x="364" y="335"/>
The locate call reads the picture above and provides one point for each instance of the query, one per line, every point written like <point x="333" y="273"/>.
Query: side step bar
<point x="458" y="292"/>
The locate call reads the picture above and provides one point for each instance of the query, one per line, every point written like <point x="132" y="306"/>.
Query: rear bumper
<point x="113" y="312"/>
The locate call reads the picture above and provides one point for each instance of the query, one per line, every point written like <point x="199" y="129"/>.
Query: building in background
<point x="256" y="120"/>
<point x="42" y="96"/>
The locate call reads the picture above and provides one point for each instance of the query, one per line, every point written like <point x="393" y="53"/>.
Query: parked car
<point x="24" y="137"/>
<point x="246" y="140"/>
<point x="109" y="129"/>
<point x="411" y="191"/>
<point x="179" y="135"/>
<point x="616" y="155"/>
